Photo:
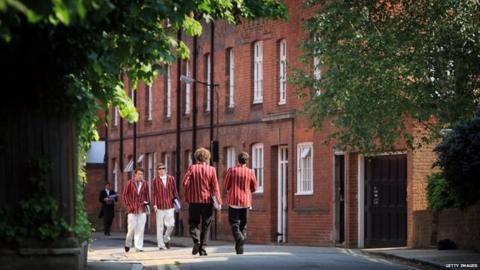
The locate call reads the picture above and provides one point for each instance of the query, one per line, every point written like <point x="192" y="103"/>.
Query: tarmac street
<point x="108" y="253"/>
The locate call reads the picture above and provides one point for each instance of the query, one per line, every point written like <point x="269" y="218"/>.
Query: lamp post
<point x="213" y="143"/>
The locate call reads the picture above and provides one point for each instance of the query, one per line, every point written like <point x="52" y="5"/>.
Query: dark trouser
<point x="197" y="211"/>
<point x="238" y="220"/>
<point x="107" y="221"/>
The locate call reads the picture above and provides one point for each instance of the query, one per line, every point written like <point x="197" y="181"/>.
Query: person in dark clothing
<point x="107" y="198"/>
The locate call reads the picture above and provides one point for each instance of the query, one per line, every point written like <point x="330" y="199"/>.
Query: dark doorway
<point x="340" y="198"/>
<point x="385" y="201"/>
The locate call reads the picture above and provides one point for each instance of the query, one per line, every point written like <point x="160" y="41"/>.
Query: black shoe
<point x="196" y="248"/>
<point x="239" y="246"/>
<point x="127" y="249"/>
<point x="167" y="245"/>
<point x="203" y="252"/>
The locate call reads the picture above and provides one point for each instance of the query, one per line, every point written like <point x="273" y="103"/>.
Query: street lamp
<point x="213" y="143"/>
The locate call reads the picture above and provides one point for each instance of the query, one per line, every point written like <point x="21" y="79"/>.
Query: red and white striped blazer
<point x="133" y="200"/>
<point x="163" y="195"/>
<point x="200" y="183"/>
<point x="240" y="182"/>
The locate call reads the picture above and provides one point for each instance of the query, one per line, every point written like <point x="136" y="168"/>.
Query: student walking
<point x="164" y="195"/>
<point x="202" y="193"/>
<point x="239" y="182"/>
<point x="136" y="198"/>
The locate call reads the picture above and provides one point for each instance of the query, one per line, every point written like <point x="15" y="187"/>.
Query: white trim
<point x="187" y="88"/>
<point x="231" y="79"/>
<point x="207" y="87"/>
<point x="282" y="73"/>
<point x="189" y="158"/>
<point x="150" y="103"/>
<point x="258" y="72"/>
<point x="361" y="201"/>
<point x="258" y="165"/>
<point x="115" y="175"/>
<point x="231" y="157"/>
<point x="302" y="154"/>
<point x="129" y="167"/>
<point x="115" y="116"/>
<point x="166" y="161"/>
<point x="282" y="194"/>
<point x="169" y="92"/>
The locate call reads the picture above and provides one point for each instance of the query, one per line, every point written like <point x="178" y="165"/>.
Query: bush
<point x="439" y="195"/>
<point x="459" y="159"/>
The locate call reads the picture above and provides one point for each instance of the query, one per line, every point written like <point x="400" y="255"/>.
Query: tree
<point x="64" y="60"/>
<point x="459" y="159"/>
<point x="387" y="64"/>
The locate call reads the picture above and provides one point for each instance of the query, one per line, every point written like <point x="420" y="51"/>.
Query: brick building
<point x="309" y="192"/>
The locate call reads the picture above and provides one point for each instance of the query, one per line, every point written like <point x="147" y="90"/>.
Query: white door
<point x="282" y="194"/>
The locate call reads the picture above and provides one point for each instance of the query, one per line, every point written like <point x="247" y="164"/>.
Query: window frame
<point x="187" y="89"/>
<point x="208" y="71"/>
<point x="258" y="72"/>
<point x="282" y="72"/>
<point x="231" y="157"/>
<point x="231" y="79"/>
<point x="149" y="102"/>
<point x="169" y="92"/>
<point x="115" y="116"/>
<point x="300" y="181"/>
<point x="258" y="165"/>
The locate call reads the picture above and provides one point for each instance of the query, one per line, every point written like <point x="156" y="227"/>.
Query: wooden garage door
<point x="385" y="201"/>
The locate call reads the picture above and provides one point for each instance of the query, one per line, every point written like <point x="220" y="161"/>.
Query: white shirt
<point x="164" y="180"/>
<point x="107" y="191"/>
<point x="139" y="187"/>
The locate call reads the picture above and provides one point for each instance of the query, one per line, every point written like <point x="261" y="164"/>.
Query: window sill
<point x="303" y="193"/>
<point x="257" y="193"/>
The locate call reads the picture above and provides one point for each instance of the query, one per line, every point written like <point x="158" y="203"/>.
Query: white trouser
<point x="166" y="218"/>
<point x="136" y="227"/>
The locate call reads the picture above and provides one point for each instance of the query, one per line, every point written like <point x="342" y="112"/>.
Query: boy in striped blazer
<point x="239" y="182"/>
<point x="164" y="194"/>
<point x="202" y="193"/>
<point x="135" y="197"/>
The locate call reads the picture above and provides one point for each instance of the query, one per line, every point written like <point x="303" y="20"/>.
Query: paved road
<point x="263" y="257"/>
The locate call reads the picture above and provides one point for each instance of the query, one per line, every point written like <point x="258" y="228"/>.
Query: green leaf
<point x="192" y="26"/>
<point x="61" y="11"/>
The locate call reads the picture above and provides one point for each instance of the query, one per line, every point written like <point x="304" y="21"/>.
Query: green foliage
<point x="384" y="62"/>
<point x="459" y="159"/>
<point x="439" y="194"/>
<point x="75" y="54"/>
<point x="36" y="217"/>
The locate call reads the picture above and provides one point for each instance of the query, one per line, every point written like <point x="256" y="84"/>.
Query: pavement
<point x="106" y="253"/>
<point x="438" y="259"/>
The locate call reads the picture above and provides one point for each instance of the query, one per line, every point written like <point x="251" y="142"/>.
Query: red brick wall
<point x="460" y="226"/>
<point x="310" y="218"/>
<point x="420" y="163"/>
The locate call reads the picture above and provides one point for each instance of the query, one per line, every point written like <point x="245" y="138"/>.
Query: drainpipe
<point x="106" y="147"/>
<point x="212" y="108"/>
<point x="121" y="145"/>
<point x="134" y="132"/>
<point x="179" y="114"/>
<point x="194" y="98"/>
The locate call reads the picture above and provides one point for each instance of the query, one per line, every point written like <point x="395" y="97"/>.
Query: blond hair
<point x="202" y="154"/>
